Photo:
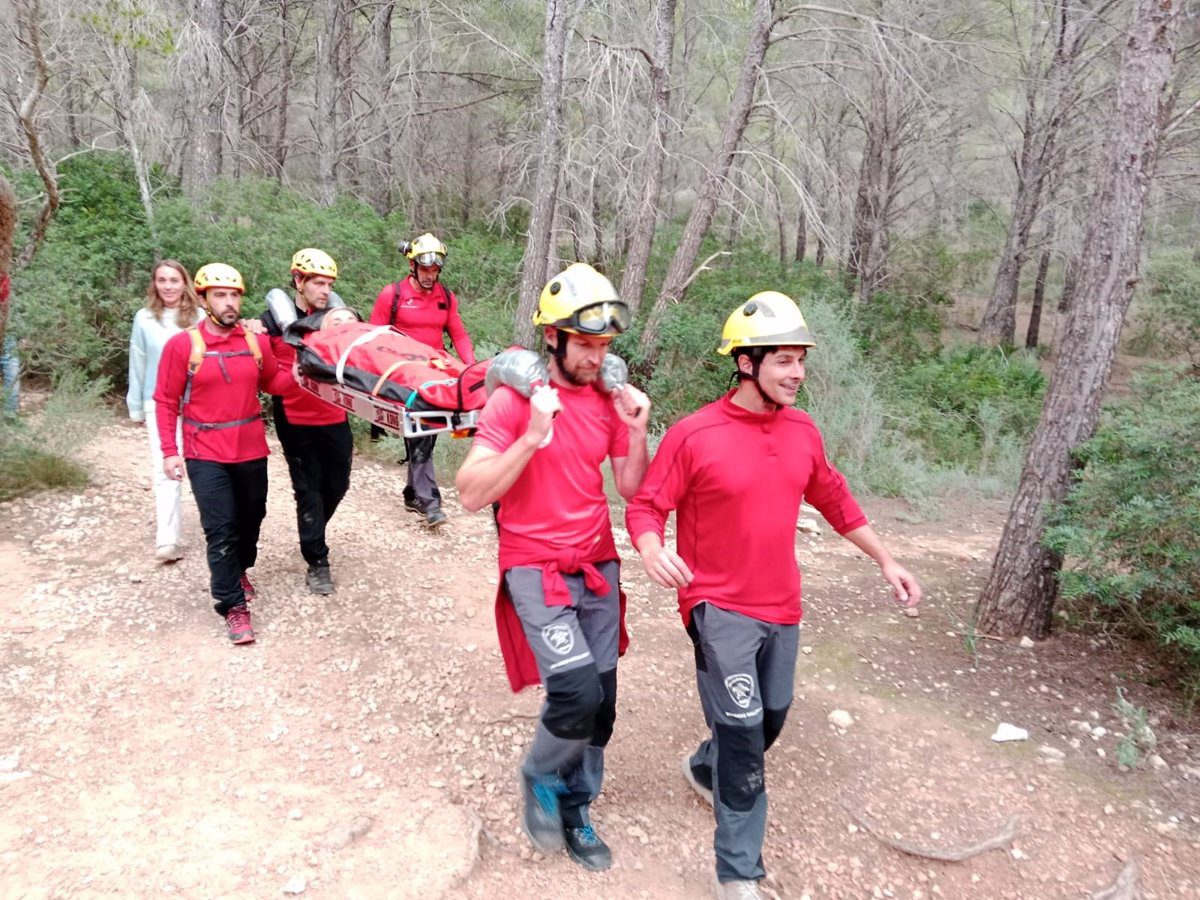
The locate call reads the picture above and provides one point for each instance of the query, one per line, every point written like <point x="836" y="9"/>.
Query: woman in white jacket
<point x="171" y="306"/>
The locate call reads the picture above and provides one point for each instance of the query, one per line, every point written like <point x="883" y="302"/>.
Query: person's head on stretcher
<point x="342" y="315"/>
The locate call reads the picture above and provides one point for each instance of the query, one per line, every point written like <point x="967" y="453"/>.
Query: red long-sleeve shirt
<point x="735" y="479"/>
<point x="216" y="398"/>
<point x="300" y="407"/>
<point x="424" y="316"/>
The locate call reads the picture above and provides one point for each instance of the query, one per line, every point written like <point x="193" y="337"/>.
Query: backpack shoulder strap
<point x="395" y="302"/>
<point x="196" y="356"/>
<point x="253" y="347"/>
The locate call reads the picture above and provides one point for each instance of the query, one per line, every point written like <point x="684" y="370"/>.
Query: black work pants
<point x="232" y="499"/>
<point x="318" y="458"/>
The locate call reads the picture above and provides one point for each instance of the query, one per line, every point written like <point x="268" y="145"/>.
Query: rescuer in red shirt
<point x="424" y="309"/>
<point x="735" y="473"/>
<point x="315" y="435"/>
<point x="210" y="375"/>
<point x="558" y="611"/>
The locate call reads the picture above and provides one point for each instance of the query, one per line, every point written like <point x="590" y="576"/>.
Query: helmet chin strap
<point x="755" y="363"/>
<point x="208" y="312"/>
<point x="559" y="352"/>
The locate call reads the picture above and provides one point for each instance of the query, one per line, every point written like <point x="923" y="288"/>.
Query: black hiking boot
<point x="319" y="579"/>
<point x="586" y="848"/>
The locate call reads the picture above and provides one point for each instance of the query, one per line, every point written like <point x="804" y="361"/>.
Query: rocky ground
<point x="367" y="745"/>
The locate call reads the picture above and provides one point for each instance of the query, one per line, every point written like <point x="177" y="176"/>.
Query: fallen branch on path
<point x="1124" y="888"/>
<point x="1005" y="837"/>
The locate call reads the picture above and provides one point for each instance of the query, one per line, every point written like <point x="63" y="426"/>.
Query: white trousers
<point x="168" y="493"/>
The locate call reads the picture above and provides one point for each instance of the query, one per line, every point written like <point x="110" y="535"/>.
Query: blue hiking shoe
<point x="542" y="820"/>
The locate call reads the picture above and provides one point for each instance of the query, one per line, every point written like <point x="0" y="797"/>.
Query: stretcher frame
<point x="389" y="414"/>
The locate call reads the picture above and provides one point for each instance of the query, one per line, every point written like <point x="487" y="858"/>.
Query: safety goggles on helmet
<point x="605" y="317"/>
<point x="431" y="258"/>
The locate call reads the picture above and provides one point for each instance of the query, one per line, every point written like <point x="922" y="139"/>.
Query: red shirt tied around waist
<point x="735" y="479"/>
<point x="224" y="391"/>
<point x="423" y="315"/>
<point x="555" y="516"/>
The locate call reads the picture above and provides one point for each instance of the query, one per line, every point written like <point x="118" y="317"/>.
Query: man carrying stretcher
<point x="558" y="612"/>
<point x="420" y="306"/>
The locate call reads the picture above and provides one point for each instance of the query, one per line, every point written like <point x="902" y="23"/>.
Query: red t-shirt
<point x="214" y="399"/>
<point x="424" y="316"/>
<point x="559" y="498"/>
<point x="735" y="479"/>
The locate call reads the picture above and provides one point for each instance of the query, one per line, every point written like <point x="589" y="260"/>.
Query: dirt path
<point x="367" y="745"/>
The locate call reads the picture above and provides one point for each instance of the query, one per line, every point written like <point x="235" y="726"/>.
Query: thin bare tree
<point x="641" y="235"/>
<point x="29" y="34"/>
<point x="1052" y="73"/>
<point x="535" y="265"/>
<point x="680" y="272"/>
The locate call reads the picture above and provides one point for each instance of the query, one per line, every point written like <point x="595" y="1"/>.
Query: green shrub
<point x="969" y="405"/>
<point x="1166" y="321"/>
<point x="1130" y="527"/>
<point x="76" y="301"/>
<point x="39" y="453"/>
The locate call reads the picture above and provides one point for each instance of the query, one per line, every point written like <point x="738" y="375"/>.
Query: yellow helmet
<point x="768" y="319"/>
<point x="311" y="261"/>
<point x="218" y="275"/>
<point x="581" y="300"/>
<point x="427" y="251"/>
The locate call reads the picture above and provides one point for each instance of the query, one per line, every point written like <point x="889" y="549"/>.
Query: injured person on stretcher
<point x="386" y="377"/>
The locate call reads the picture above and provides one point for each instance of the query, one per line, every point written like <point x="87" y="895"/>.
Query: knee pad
<point x="606" y="715"/>
<point x="572" y="699"/>
<point x="773" y="720"/>
<point x="740" y="766"/>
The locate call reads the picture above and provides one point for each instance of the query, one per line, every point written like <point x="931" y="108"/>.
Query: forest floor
<point x="367" y="745"/>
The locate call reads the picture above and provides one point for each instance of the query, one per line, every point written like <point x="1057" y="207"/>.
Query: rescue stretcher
<point x="401" y="385"/>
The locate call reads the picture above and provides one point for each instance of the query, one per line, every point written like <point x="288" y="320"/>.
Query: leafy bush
<point x="1129" y="529"/>
<point x="77" y="300"/>
<point x="1168" y="323"/>
<point x="966" y="405"/>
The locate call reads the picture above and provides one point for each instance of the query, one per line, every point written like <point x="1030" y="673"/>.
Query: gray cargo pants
<point x="576" y="650"/>
<point x="744" y="672"/>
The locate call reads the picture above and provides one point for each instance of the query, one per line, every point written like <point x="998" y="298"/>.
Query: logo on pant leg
<point x="741" y="689"/>
<point x="559" y="639"/>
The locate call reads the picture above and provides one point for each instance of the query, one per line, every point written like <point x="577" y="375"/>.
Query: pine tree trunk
<point x="801" y="234"/>
<point x="211" y="91"/>
<point x="1019" y="595"/>
<point x="325" y="85"/>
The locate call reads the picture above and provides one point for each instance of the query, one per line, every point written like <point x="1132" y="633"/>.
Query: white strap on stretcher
<point x="365" y="338"/>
